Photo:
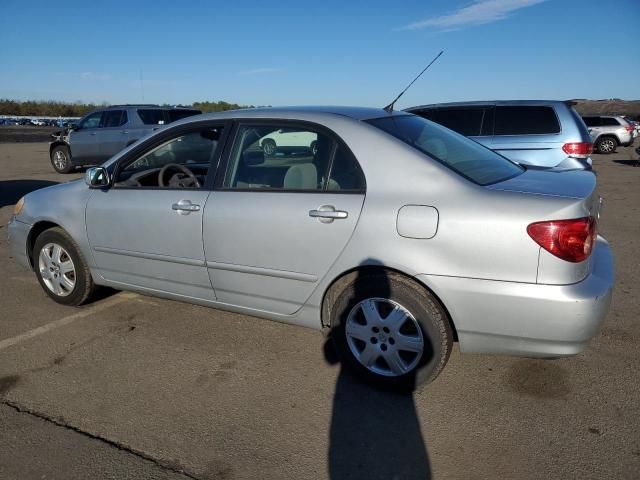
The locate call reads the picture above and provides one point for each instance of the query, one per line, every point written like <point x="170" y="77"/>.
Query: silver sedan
<point x="394" y="235"/>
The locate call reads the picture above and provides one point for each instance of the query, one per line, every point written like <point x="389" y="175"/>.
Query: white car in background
<point x="291" y="137"/>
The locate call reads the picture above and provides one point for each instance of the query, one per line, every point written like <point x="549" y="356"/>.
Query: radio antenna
<point x="389" y="108"/>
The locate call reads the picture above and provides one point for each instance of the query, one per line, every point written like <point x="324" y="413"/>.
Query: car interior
<point x="181" y="162"/>
<point x="290" y="167"/>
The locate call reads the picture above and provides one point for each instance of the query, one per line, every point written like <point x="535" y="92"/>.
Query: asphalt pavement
<point x="131" y="386"/>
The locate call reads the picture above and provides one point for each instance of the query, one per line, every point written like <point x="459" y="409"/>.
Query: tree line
<point x="52" y="108"/>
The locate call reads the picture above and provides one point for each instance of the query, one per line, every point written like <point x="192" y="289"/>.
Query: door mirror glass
<point x="97" y="177"/>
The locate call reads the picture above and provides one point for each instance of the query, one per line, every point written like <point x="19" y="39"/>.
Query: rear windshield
<point x="466" y="157"/>
<point x="178" y="114"/>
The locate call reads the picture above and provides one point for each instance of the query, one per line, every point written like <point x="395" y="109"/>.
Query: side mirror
<point x="96" y="177"/>
<point x="73" y="126"/>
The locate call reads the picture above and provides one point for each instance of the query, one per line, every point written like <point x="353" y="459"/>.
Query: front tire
<point x="391" y="331"/>
<point x="61" y="159"/>
<point x="61" y="269"/>
<point x="606" y="145"/>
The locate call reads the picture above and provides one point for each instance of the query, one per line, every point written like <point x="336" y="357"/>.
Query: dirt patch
<point x="23" y="134"/>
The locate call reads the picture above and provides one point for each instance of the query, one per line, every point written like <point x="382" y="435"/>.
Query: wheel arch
<point x="607" y="135"/>
<point x="58" y="143"/>
<point x="348" y="277"/>
<point x="35" y="231"/>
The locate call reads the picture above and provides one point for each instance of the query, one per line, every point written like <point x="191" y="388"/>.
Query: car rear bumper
<point x="17" y="233"/>
<point x="524" y="319"/>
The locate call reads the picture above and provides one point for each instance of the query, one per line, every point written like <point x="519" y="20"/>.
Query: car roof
<point x="355" y="113"/>
<point x="480" y="103"/>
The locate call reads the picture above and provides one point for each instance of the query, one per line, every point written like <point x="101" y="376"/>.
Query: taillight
<point x="579" y="149"/>
<point x="570" y="240"/>
<point x="629" y="128"/>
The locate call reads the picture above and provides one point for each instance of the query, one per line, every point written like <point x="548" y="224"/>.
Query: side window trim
<point x="232" y="136"/>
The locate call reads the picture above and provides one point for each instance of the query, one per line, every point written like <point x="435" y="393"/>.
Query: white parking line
<point x="85" y="312"/>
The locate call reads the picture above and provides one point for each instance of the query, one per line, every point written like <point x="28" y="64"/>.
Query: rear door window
<point x="114" y="118"/>
<point x="610" y="122"/>
<point x="466" y="121"/>
<point x="180" y="113"/>
<point x="291" y="158"/>
<point x="525" y="120"/>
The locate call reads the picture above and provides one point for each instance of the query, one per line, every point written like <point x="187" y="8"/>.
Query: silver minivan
<point x="538" y="133"/>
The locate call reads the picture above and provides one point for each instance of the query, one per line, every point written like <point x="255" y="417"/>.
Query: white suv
<point x="609" y="131"/>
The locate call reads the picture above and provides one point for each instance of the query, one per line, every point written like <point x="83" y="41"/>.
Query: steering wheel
<point x="192" y="179"/>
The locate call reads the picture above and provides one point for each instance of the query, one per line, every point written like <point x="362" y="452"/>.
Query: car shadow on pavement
<point x="374" y="434"/>
<point x="12" y="190"/>
<point x="630" y="163"/>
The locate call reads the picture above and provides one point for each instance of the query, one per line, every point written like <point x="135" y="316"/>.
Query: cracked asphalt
<point x="131" y="386"/>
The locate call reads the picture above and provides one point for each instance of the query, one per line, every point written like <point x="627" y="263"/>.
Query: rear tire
<point x="269" y="146"/>
<point x="606" y="145"/>
<point x="61" y="269"/>
<point x="404" y="345"/>
<point x="61" y="159"/>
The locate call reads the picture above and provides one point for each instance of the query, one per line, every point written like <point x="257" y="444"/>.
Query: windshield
<point x="462" y="155"/>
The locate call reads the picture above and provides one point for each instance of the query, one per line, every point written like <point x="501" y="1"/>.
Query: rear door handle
<point x="185" y="207"/>
<point x="328" y="213"/>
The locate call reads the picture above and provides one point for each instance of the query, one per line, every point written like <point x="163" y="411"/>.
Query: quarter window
<point x="610" y="122"/>
<point x="290" y="158"/>
<point x="525" y="120"/>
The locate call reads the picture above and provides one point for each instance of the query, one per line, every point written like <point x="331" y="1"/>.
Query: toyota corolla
<point x="394" y="234"/>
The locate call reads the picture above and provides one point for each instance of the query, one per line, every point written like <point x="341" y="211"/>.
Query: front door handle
<point x="185" y="207"/>
<point x="328" y="213"/>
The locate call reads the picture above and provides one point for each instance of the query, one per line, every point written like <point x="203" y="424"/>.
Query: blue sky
<point x="329" y="52"/>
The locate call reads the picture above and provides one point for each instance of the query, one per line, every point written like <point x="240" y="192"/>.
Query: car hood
<point x="559" y="183"/>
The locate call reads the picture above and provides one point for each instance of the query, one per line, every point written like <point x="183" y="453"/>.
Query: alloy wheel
<point x="384" y="337"/>
<point x="60" y="160"/>
<point x="57" y="269"/>
<point x="607" y="146"/>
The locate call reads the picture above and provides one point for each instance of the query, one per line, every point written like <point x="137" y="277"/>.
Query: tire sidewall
<point x="425" y="309"/>
<point x="78" y="293"/>
<point x="68" y="166"/>
<point x="607" y="139"/>
<point x="269" y="146"/>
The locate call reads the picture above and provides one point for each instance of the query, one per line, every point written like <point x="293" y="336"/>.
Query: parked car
<point x="538" y="133"/>
<point x="288" y="138"/>
<point x="25" y="122"/>
<point x="397" y="236"/>
<point x="103" y="133"/>
<point x="609" y="131"/>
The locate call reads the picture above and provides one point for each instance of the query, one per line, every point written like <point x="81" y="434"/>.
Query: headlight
<point x="18" y="207"/>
